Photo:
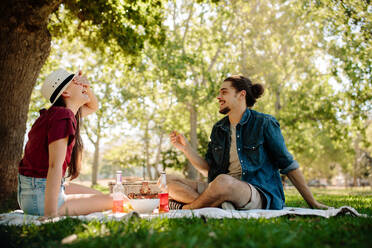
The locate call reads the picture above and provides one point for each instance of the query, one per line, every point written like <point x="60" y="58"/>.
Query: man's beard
<point x="225" y="110"/>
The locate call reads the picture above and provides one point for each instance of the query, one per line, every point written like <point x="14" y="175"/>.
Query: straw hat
<point x="55" y="83"/>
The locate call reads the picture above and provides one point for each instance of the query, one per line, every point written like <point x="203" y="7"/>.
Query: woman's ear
<point x="65" y="93"/>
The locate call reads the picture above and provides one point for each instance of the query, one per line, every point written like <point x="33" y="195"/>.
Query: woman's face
<point x="78" y="91"/>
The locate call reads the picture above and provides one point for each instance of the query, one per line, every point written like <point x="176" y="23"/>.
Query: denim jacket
<point x="261" y="150"/>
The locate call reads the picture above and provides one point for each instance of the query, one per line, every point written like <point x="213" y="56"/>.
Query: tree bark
<point x="356" y="166"/>
<point x="192" y="173"/>
<point x="95" y="161"/>
<point x="24" y="48"/>
<point x="157" y="159"/>
<point x="147" y="150"/>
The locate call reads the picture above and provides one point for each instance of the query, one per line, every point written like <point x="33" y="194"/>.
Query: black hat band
<point x="59" y="88"/>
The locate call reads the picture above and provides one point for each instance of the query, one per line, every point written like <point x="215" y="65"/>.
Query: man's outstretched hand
<point x="318" y="205"/>
<point x="179" y="141"/>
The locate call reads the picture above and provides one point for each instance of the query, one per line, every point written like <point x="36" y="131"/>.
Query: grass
<point x="285" y="232"/>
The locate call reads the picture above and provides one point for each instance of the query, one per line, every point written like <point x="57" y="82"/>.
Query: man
<point x="244" y="157"/>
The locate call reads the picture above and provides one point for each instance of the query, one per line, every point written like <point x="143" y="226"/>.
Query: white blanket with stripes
<point x="18" y="218"/>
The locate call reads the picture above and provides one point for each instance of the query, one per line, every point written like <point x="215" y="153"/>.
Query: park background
<point x="156" y="67"/>
<point x="313" y="59"/>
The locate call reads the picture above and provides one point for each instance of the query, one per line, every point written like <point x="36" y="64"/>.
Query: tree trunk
<point x="192" y="173"/>
<point x="157" y="160"/>
<point x="147" y="150"/>
<point x="95" y="161"/>
<point x="24" y="47"/>
<point x="356" y="170"/>
<point x="278" y="105"/>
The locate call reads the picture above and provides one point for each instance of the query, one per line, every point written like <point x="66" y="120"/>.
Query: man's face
<point x="228" y="98"/>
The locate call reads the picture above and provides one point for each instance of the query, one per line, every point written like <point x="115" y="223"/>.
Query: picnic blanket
<point x="18" y="218"/>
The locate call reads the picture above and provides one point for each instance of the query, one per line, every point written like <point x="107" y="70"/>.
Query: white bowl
<point x="143" y="206"/>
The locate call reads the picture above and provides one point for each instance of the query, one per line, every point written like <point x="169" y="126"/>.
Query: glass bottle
<point x="163" y="196"/>
<point x="118" y="194"/>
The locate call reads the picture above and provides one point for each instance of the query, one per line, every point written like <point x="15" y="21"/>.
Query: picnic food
<point x="144" y="206"/>
<point x="144" y="193"/>
<point x="127" y="207"/>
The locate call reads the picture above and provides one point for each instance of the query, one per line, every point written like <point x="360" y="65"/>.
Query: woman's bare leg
<point x="80" y="204"/>
<point x="82" y="200"/>
<point x="74" y="188"/>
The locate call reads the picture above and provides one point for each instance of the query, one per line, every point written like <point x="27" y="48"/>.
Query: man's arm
<point x="285" y="162"/>
<point x="298" y="181"/>
<point x="180" y="142"/>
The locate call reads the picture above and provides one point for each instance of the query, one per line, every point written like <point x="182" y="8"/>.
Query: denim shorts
<point x="31" y="194"/>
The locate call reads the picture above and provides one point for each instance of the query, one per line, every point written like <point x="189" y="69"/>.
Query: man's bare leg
<point x="181" y="189"/>
<point x="223" y="188"/>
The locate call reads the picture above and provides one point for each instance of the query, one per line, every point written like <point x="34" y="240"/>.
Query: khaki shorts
<point x="256" y="201"/>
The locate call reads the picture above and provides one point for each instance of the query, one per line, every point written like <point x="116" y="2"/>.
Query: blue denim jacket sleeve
<point x="277" y="148"/>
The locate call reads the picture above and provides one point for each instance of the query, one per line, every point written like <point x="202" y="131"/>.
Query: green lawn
<point x="279" y="232"/>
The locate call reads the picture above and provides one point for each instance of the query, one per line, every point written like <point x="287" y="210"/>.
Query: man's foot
<point x="174" y="205"/>
<point x="186" y="206"/>
<point x="227" y="206"/>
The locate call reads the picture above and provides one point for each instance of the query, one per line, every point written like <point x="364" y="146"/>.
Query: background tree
<point x="348" y="39"/>
<point x="312" y="57"/>
<point x="25" y="46"/>
<point x="191" y="62"/>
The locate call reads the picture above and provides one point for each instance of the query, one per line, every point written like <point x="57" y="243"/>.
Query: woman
<point x="54" y="145"/>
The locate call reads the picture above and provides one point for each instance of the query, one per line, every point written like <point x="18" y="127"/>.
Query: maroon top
<point x="53" y="124"/>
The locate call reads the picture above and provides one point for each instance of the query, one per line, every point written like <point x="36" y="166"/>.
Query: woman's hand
<point x="91" y="106"/>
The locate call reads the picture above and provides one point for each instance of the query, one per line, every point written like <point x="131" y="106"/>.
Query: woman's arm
<point x="57" y="155"/>
<point x="92" y="105"/>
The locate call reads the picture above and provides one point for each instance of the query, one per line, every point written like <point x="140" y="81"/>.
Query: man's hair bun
<point x="240" y="83"/>
<point x="257" y="90"/>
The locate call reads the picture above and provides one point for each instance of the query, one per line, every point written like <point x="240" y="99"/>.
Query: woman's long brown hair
<point x="75" y="163"/>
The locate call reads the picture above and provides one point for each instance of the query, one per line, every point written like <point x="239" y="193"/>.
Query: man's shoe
<point x="227" y="206"/>
<point x="174" y="205"/>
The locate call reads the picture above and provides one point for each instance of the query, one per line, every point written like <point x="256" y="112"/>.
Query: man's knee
<point x="172" y="178"/>
<point x="222" y="185"/>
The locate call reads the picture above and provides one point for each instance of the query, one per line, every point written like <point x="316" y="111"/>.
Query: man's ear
<point x="243" y="93"/>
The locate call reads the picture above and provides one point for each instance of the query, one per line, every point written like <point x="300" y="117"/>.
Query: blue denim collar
<point x="245" y="117"/>
<point x="225" y="123"/>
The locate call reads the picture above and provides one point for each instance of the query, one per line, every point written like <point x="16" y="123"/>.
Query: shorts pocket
<point x="29" y="203"/>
